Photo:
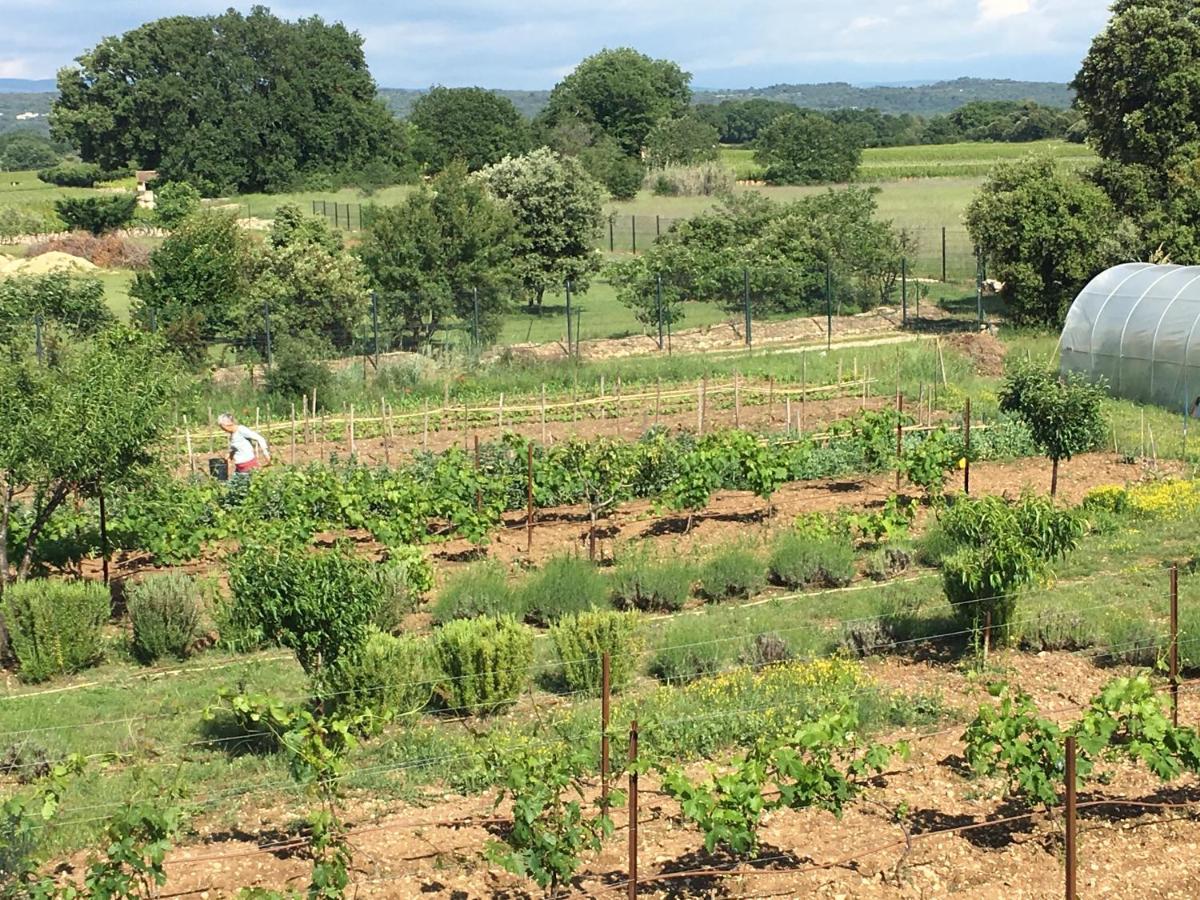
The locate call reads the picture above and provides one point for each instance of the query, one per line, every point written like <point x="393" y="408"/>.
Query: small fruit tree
<point x="1064" y="416"/>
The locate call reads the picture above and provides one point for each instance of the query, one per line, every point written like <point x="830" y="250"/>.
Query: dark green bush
<point x="318" y="604"/>
<point x="174" y="202"/>
<point x="165" y="611"/>
<point x="798" y="561"/>
<point x="483" y="665"/>
<point x="581" y="640"/>
<point x="481" y="589"/>
<point x="54" y="627"/>
<point x="80" y="175"/>
<point x="734" y="572"/>
<point x="564" y="585"/>
<point x="296" y="370"/>
<point x="645" y="582"/>
<point x="390" y="677"/>
<point x="97" y="214"/>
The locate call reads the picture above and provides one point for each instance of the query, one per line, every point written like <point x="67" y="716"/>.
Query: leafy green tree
<point x="622" y="175"/>
<point x="1139" y="92"/>
<point x="74" y="305"/>
<point x="807" y="148"/>
<point x="624" y="92"/>
<point x="27" y="151"/>
<point x="1064" y="417"/>
<point x="1139" y="85"/>
<point x="307" y="280"/>
<point x="80" y="427"/>
<point x="684" y="141"/>
<point x="229" y="101"/>
<point x="741" y="121"/>
<point x="557" y="207"/>
<point x="474" y="125"/>
<point x="97" y="214"/>
<point x="1044" y="233"/>
<point x="174" y="202"/>
<point x="431" y="258"/>
<point x="197" y="283"/>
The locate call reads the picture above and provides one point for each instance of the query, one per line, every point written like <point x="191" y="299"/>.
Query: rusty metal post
<point x="899" y="434"/>
<point x="478" y="489"/>
<point x="633" y="809"/>
<point x="1071" y="849"/>
<point x="987" y="634"/>
<point x="1175" y="644"/>
<point x="605" y="702"/>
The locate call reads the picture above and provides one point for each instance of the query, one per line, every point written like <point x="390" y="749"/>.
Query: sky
<point x="533" y="43"/>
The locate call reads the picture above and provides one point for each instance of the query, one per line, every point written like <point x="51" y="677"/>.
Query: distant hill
<point x="934" y="99"/>
<point x="924" y="100"/>
<point x="921" y="99"/>
<point x="14" y="104"/>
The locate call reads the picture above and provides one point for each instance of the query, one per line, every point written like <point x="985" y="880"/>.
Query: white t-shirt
<point x="241" y="443"/>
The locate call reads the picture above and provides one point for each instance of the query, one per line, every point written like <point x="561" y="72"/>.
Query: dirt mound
<point x="983" y="349"/>
<point x="110" y="251"/>
<point x="53" y="261"/>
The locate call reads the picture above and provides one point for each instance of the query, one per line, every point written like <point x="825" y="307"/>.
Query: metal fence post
<point x="1071" y="848"/>
<point x="267" y="327"/>
<point x="657" y="226"/>
<point x="943" y="253"/>
<point x="567" y="288"/>
<point x="375" y="325"/>
<point x="633" y="230"/>
<point x="903" y="291"/>
<point x="658" y="307"/>
<point x="37" y="337"/>
<point x="611" y="242"/>
<point x="979" y="291"/>
<point x="475" y="319"/>
<point x="746" y="301"/>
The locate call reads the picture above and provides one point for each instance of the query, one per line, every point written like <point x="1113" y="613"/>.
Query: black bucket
<point x="218" y="468"/>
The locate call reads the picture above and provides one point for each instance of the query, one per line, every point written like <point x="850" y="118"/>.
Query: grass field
<point x="966" y="159"/>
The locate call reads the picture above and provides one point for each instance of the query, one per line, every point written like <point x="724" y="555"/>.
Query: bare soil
<point x="957" y="838"/>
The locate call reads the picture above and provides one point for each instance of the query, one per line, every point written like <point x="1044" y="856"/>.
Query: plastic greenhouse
<point x="1138" y="326"/>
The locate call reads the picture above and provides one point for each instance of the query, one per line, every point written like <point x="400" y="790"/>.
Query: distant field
<point x="967" y="159"/>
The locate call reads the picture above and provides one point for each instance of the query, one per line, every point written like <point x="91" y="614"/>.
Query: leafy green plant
<point x="402" y="580"/>
<point x="1004" y="546"/>
<point x="389" y="677"/>
<point x="483" y="665"/>
<point x="927" y="463"/>
<point x="165" y="612"/>
<point x="54" y="627"/>
<point x="318" y="604"/>
<point x="23" y="822"/>
<point x="886" y="524"/>
<point x="580" y="641"/>
<point x="551" y="827"/>
<point x="564" y="585"/>
<point x="797" y="561"/>
<point x="642" y="581"/>
<point x="136" y="840"/>
<point x="97" y="214"/>
<point x="734" y="571"/>
<point x="481" y="589"/>
<point x="819" y="764"/>
<point x="688" y="650"/>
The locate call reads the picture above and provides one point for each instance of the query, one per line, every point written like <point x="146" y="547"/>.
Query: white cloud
<point x="15" y="68"/>
<point x="994" y="10"/>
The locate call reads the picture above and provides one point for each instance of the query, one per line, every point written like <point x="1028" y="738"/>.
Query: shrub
<point x="174" y="202"/>
<point x="80" y="175"/>
<point x="887" y="562"/>
<point x="689" y="650"/>
<point x="797" y="561"/>
<point x="483" y="665"/>
<point x="1059" y="629"/>
<point x="97" y="214"/>
<point x="1003" y="547"/>
<point x="318" y="604"/>
<point x="389" y="677"/>
<point x="165" y="611"/>
<point x="645" y="582"/>
<point x="708" y="180"/>
<point x="733" y="572"/>
<point x="296" y="372"/>
<point x="767" y="650"/>
<point x="481" y="589"/>
<point x="565" y="585"/>
<point x="109" y="251"/>
<point x="54" y="627"/>
<point x="401" y="581"/>
<point x="581" y="640"/>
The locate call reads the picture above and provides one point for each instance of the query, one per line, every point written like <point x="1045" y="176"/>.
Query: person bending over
<point x="242" y="443"/>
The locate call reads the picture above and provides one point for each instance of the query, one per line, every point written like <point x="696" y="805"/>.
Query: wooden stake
<point x="293" y="434"/>
<point x="605" y="700"/>
<point x="501" y="411"/>
<point x="602" y="411"/>
<point x="699" y="407"/>
<point x="657" y="398"/>
<point x="257" y="422"/>
<point x="941" y="362"/>
<point x="1071" y="849"/>
<point x="353" y="448"/>
<point x="529" y="500"/>
<point x="771" y="399"/>
<point x="703" y="402"/>
<point x="737" y="401"/>
<point x="445" y="395"/>
<point x="633" y="810"/>
<point x="387" y="437"/>
<point x="425" y="433"/>
<point x="478" y="490"/>
<point x="187" y="433"/>
<point x="543" y="412"/>
<point x="787" y="413"/>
